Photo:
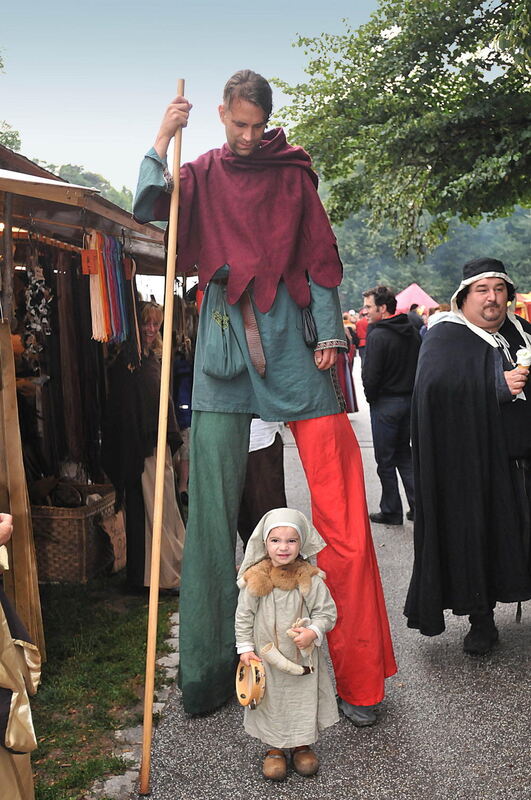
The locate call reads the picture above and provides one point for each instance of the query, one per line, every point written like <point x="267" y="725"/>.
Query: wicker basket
<point x="70" y="546"/>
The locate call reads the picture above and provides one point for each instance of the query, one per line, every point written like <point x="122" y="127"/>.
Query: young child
<point x="279" y="587"/>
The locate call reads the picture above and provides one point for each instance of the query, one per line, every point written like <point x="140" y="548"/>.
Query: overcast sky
<point x="87" y="83"/>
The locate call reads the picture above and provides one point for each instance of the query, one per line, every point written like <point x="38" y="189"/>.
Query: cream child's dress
<point x="295" y="707"/>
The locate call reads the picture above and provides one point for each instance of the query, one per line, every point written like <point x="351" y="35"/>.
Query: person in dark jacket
<point x="414" y="316"/>
<point x="129" y="455"/>
<point x="388" y="376"/>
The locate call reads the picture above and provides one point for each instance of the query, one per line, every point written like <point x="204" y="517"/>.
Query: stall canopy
<point x="44" y="204"/>
<point x="414" y="294"/>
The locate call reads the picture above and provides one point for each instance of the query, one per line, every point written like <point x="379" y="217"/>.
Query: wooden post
<point x="20" y="581"/>
<point x="8" y="266"/>
<point x="160" y="467"/>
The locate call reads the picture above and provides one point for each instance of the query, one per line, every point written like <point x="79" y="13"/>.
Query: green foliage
<point x="421" y="115"/>
<point x="92" y="682"/>
<point x="369" y="259"/>
<point x="77" y="174"/>
<point x="9" y="137"/>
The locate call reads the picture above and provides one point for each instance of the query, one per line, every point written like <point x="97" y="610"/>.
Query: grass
<point x="92" y="683"/>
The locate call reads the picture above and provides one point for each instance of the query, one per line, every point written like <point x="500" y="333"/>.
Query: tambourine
<point x="250" y="683"/>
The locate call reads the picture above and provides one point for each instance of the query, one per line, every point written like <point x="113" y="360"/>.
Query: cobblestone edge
<point x="128" y="741"/>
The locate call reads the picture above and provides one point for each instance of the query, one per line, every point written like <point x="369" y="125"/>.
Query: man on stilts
<point x="252" y="223"/>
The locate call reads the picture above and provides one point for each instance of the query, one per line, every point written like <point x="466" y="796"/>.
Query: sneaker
<point x="410" y="515"/>
<point x="360" y="716"/>
<point x="385" y="519"/>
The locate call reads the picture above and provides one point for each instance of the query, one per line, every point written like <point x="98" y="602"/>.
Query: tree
<point x="421" y="115"/>
<point x="369" y="260"/>
<point x="8" y="137"/>
<point x="77" y="174"/>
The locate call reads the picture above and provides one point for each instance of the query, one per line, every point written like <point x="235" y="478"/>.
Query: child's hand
<point x="246" y="658"/>
<point x="305" y="637"/>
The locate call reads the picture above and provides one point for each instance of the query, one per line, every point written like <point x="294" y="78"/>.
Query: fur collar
<point x="263" y="577"/>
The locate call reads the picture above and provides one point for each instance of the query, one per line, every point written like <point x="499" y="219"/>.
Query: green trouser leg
<point x="218" y="456"/>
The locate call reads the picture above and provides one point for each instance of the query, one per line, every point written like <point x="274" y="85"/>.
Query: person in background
<point x="352" y="336"/>
<point x="361" y="331"/>
<point x="388" y="377"/>
<point x="183" y="371"/>
<point x="345" y="362"/>
<point x="264" y="487"/>
<point x="426" y="318"/>
<point x="414" y="316"/>
<point x="129" y="456"/>
<point x="439" y="314"/>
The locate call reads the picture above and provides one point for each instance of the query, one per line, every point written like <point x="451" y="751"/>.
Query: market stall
<point x="68" y="264"/>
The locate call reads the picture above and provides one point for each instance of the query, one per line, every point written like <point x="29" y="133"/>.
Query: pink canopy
<point x="414" y="294"/>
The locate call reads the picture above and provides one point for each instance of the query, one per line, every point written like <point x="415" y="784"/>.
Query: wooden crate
<point x="70" y="546"/>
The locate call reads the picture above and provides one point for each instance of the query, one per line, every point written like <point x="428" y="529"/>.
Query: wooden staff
<point x="161" y="461"/>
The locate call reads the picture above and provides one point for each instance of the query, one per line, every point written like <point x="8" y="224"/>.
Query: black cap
<point x="478" y="266"/>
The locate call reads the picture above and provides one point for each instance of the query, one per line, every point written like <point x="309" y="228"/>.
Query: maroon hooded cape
<point x="261" y="215"/>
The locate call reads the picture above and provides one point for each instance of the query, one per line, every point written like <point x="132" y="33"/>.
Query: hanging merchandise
<point x="108" y="293"/>
<point x="37" y="317"/>
<point x="98" y="293"/>
<point x="114" y="272"/>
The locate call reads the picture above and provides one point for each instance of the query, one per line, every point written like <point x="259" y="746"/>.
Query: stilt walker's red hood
<point x="261" y="215"/>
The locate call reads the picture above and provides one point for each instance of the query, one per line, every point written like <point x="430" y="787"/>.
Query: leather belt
<point x="252" y="334"/>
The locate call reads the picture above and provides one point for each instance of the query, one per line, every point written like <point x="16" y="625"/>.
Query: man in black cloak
<point x="471" y="438"/>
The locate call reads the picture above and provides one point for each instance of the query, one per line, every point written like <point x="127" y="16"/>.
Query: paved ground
<point x="450" y="727"/>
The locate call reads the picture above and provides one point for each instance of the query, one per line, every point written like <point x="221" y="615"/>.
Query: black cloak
<point x="470" y="543"/>
<point x="130" y="427"/>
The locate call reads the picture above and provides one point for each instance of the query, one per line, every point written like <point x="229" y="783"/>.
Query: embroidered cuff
<point x="168" y="180"/>
<point x="245" y="647"/>
<point x="319" y="639"/>
<point x="331" y="343"/>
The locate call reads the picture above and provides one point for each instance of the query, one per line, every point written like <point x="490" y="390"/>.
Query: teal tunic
<point x="293" y="388"/>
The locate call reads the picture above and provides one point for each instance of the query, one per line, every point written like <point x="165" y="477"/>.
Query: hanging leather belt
<point x="252" y="334"/>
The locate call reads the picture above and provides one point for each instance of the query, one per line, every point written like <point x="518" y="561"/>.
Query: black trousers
<point x="390" y="423"/>
<point x="264" y="487"/>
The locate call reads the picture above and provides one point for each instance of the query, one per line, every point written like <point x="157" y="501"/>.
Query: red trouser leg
<point x="360" y="644"/>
